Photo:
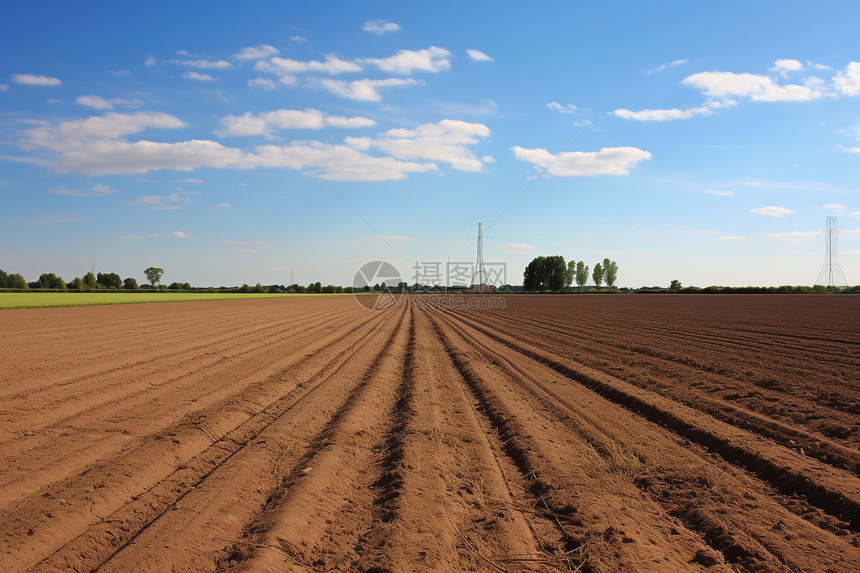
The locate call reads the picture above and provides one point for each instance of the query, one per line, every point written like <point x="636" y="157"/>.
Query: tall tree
<point x="581" y="274"/>
<point x="90" y="282"/>
<point x="153" y="275"/>
<point x="545" y="273"/>
<point x="597" y="274"/>
<point x="571" y="273"/>
<point x="610" y="272"/>
<point x="129" y="284"/>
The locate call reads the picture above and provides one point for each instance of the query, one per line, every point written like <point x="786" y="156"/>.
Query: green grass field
<point x="47" y="299"/>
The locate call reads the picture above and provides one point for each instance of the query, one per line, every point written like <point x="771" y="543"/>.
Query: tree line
<point x="553" y="273"/>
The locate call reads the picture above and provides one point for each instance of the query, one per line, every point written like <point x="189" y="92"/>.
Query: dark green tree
<point x="130" y="284"/>
<point x="50" y="280"/>
<point x="570" y="276"/>
<point x="581" y="274"/>
<point x="4" y="279"/>
<point x="610" y="272"/>
<point x="153" y="275"/>
<point x="675" y="285"/>
<point x="109" y="280"/>
<point x="597" y="274"/>
<point x="545" y="273"/>
<point x="17" y="281"/>
<point x="90" y="282"/>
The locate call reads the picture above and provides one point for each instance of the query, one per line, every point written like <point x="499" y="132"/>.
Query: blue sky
<point x="704" y="142"/>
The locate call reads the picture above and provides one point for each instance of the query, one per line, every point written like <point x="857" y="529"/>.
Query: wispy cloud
<point x="94" y="191"/>
<point x="794" y="236"/>
<point x="479" y="56"/>
<point x="171" y="235"/>
<point x="663" y="67"/>
<point x="204" y="64"/>
<point x="252" y="124"/>
<point x="256" y="52"/>
<point x="563" y="108"/>
<point x="380" y="27"/>
<point x="772" y="211"/>
<point x="98" y="102"/>
<point x="196" y="76"/>
<point x="835" y="207"/>
<point x="519" y="248"/>
<point x="365" y="90"/>
<point x="35" y="80"/>
<point x="721" y="193"/>
<point x="607" y="161"/>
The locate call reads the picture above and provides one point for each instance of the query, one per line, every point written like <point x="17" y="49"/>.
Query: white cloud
<point x="479" y="56"/>
<point x="720" y="193"/>
<point x="447" y="141"/>
<point x="732" y="238"/>
<point x="223" y="205"/>
<point x="94" y="101"/>
<point x="672" y="114"/>
<point x="204" y="64"/>
<point x="263" y="83"/>
<point x="110" y="125"/>
<point x="33" y="80"/>
<point x="566" y="108"/>
<point x="365" y="90"/>
<point x="794" y="236"/>
<point x="431" y="59"/>
<point x="520" y="248"/>
<point x="94" y="191"/>
<point x="837" y="207"/>
<point x="856" y="214"/>
<point x="336" y="162"/>
<point x="783" y="67"/>
<point x="662" y="67"/>
<point x="252" y="124"/>
<point x="256" y="52"/>
<point x="848" y="80"/>
<point x="332" y="66"/>
<point x="3" y="87"/>
<point x="97" y="146"/>
<point x="772" y="211"/>
<point x="654" y="114"/>
<point x="756" y="87"/>
<point x="607" y="161"/>
<point x="298" y="39"/>
<point x="380" y="27"/>
<point x="171" y="235"/>
<point x="198" y="77"/>
<point x="150" y="61"/>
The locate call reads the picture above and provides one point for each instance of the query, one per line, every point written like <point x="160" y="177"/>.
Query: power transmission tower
<point x="831" y="274"/>
<point x="479" y="276"/>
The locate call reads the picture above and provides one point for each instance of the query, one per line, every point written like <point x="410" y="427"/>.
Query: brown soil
<point x="536" y="433"/>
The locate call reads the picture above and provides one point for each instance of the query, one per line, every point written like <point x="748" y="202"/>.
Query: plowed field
<point x="537" y="433"/>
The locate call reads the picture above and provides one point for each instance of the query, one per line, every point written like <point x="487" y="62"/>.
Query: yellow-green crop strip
<point x="48" y="299"/>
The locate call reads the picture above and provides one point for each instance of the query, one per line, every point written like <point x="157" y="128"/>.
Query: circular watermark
<point x="374" y="285"/>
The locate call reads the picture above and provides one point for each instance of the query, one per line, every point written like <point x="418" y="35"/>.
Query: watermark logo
<point x="443" y="286"/>
<point x="377" y="276"/>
